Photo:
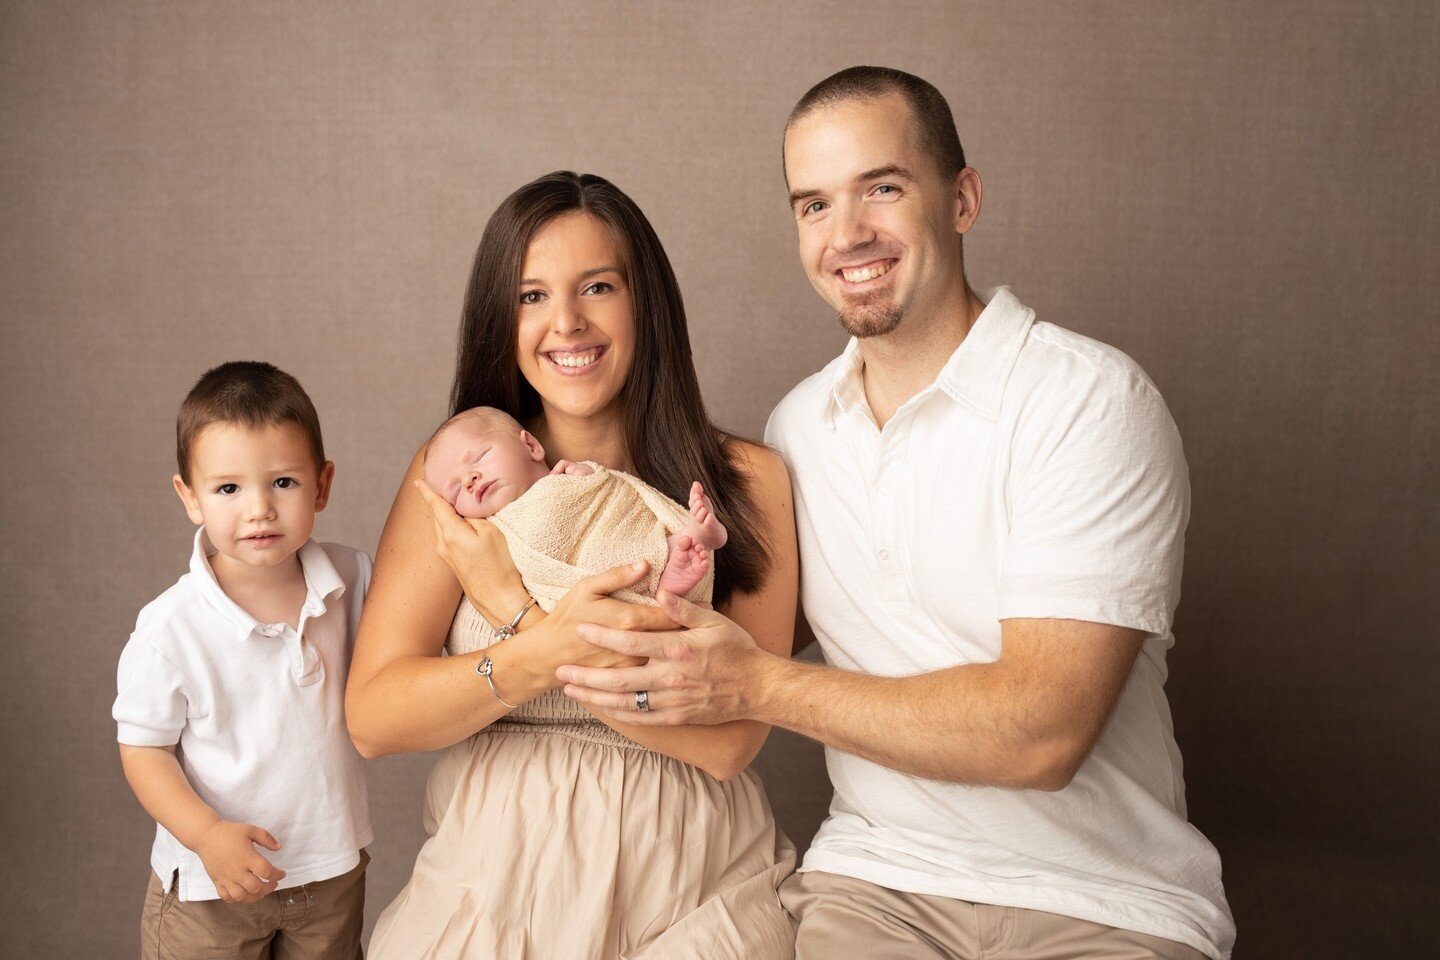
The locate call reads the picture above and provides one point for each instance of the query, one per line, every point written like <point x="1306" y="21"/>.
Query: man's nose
<point x="851" y="230"/>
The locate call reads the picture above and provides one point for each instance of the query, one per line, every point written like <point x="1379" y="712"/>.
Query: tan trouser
<point x="857" y="920"/>
<point x="314" y="921"/>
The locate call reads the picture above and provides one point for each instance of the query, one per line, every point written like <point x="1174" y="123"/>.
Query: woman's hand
<point x="477" y="553"/>
<point x="589" y="602"/>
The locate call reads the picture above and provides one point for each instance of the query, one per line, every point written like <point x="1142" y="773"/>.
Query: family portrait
<point x="649" y="482"/>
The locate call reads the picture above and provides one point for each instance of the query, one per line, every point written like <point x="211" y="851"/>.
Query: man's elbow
<point x="1051" y="767"/>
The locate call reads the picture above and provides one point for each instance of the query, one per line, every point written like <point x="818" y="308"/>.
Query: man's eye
<point x="887" y="188"/>
<point x="227" y="488"/>
<point x="814" y="206"/>
<point x="285" y="483"/>
<point x="599" y="286"/>
<point x="531" y="297"/>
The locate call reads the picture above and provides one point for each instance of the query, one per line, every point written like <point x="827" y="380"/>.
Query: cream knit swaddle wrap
<point x="568" y="527"/>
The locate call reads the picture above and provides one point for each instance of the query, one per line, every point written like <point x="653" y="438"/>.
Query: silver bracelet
<point x="508" y="630"/>
<point x="485" y="669"/>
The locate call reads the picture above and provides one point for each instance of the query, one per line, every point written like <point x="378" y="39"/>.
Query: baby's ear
<point x="537" y="452"/>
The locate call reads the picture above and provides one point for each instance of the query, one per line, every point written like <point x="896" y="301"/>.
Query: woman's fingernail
<point x="638" y="565"/>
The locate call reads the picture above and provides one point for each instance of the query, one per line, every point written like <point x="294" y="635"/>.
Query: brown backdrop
<point x="1240" y="195"/>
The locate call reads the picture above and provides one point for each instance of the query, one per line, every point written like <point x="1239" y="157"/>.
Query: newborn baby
<point x="481" y="461"/>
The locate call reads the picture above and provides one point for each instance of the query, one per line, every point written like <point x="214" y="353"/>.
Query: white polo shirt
<point x="1040" y="475"/>
<point x="258" y="711"/>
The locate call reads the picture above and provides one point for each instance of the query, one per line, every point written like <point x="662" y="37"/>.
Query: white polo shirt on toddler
<point x="1040" y="475"/>
<point x="258" y="711"/>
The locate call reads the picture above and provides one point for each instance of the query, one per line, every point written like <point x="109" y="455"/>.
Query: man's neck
<point x="907" y="360"/>
<point x="599" y="438"/>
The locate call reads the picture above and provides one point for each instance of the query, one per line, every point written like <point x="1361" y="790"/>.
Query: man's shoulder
<point x="804" y="405"/>
<point x="1061" y="367"/>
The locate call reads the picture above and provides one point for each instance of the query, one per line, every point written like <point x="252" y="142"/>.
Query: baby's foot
<point x="685" y="566"/>
<point x="704" y="526"/>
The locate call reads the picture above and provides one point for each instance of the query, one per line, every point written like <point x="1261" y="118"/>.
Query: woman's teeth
<point x="575" y="359"/>
<point x="861" y="274"/>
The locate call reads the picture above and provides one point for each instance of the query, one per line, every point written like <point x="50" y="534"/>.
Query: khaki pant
<point x="844" y="917"/>
<point x="314" y="921"/>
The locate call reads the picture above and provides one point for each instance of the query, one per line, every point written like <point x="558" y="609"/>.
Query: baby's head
<point x="481" y="459"/>
<point x="252" y="465"/>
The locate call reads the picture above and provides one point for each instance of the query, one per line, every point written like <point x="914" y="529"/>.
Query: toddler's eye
<point x="227" y="488"/>
<point x="285" y="483"/>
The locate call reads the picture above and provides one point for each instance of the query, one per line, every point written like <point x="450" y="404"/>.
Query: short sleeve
<point x="151" y="706"/>
<point x="1098" y="499"/>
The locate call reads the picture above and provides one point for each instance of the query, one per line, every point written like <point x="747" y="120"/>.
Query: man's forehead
<point x="839" y="142"/>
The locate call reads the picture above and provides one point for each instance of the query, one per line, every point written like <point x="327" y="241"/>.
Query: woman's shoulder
<point x="759" y="464"/>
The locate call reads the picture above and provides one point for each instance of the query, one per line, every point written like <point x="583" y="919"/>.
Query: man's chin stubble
<point x="870" y="320"/>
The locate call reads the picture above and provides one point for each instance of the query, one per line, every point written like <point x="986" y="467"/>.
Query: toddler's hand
<point x="239" y="873"/>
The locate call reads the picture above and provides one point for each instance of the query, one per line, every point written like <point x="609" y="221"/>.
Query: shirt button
<point x="883" y="492"/>
<point x="884" y="554"/>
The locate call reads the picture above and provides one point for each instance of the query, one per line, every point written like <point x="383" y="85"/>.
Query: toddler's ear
<point x="187" y="497"/>
<point x="326" y="478"/>
<point x="537" y="452"/>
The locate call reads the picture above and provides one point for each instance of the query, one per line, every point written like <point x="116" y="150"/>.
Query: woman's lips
<point x="575" y="363"/>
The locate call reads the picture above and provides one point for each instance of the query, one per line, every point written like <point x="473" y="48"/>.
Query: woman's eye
<point x="531" y="297"/>
<point x="599" y="286"/>
<point x="227" y="488"/>
<point x="285" y="483"/>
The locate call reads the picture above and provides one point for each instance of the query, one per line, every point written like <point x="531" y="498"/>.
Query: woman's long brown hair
<point x="670" y="440"/>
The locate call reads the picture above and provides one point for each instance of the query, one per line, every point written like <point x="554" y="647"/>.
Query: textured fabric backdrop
<point x="1242" y="196"/>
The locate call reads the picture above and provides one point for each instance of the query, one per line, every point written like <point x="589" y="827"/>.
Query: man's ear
<point x="537" y="452"/>
<point x="967" y="193"/>
<point x="187" y="497"/>
<point x="322" y="485"/>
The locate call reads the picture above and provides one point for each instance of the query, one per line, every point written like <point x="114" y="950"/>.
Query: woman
<point x="554" y="835"/>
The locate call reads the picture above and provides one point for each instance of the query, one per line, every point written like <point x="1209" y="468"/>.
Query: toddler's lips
<point x="261" y="539"/>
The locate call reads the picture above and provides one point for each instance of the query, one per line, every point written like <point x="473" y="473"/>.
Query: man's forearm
<point x="964" y="724"/>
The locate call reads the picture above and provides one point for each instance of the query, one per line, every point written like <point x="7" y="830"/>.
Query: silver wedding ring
<point x="642" y="701"/>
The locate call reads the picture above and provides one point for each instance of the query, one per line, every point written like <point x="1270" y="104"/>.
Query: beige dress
<point x="553" y="837"/>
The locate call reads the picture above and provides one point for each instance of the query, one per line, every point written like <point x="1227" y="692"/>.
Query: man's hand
<point x="239" y="873"/>
<point x="709" y="673"/>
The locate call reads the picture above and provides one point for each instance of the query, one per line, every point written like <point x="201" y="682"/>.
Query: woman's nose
<point x="568" y="318"/>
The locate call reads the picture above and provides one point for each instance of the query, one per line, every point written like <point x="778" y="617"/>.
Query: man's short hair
<point x="250" y="393"/>
<point x="933" y="119"/>
<point x="489" y="419"/>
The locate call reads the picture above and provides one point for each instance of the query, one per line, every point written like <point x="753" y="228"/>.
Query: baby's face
<point x="478" y="471"/>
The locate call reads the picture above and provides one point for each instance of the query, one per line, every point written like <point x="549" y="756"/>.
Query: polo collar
<point x="976" y="373"/>
<point x="322" y="583"/>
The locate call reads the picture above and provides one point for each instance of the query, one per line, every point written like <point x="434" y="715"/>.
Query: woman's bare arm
<point x="402" y="695"/>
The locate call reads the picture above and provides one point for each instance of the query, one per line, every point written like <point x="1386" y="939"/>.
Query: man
<point x="991" y="515"/>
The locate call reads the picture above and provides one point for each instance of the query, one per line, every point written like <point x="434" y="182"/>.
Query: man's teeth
<point x="575" y="359"/>
<point x="866" y="273"/>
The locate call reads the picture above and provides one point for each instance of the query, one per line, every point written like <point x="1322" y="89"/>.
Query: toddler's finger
<point x="263" y="837"/>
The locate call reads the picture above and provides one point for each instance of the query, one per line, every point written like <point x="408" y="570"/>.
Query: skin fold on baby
<point x="482" y="459"/>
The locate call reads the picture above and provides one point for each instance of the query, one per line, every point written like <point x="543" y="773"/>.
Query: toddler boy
<point x="231" y="692"/>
